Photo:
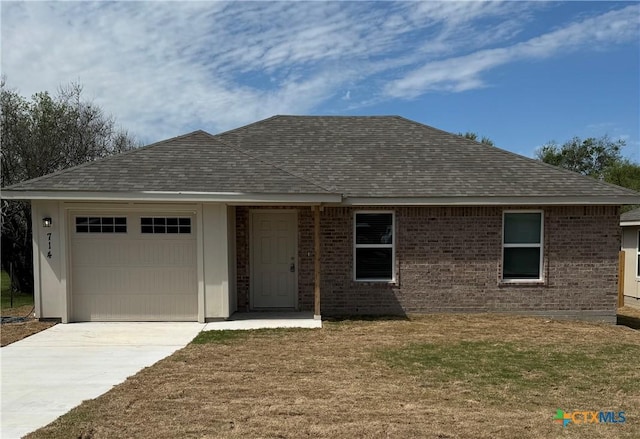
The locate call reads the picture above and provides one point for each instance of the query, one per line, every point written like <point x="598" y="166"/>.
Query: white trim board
<point x="182" y="197"/>
<point x="489" y="201"/>
<point x="237" y="198"/>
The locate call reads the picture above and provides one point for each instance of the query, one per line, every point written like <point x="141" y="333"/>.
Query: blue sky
<point x="521" y="73"/>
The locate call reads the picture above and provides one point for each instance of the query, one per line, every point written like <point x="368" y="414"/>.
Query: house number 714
<point x="49" y="241"/>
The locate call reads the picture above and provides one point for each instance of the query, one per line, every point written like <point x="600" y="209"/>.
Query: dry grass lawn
<point x="439" y="376"/>
<point x="12" y="332"/>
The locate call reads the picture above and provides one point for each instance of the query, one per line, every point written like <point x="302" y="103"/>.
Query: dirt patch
<point x="24" y="327"/>
<point x="336" y="382"/>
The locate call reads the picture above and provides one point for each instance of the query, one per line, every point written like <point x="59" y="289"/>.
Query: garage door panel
<point x="138" y="280"/>
<point x="100" y="280"/>
<point x="140" y="252"/>
<point x="133" y="276"/>
<point x="171" y="253"/>
<point x="176" y="281"/>
<point x="101" y="252"/>
<point x="140" y="307"/>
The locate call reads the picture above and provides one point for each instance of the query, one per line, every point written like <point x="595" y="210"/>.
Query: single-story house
<point x="335" y="215"/>
<point x="630" y="222"/>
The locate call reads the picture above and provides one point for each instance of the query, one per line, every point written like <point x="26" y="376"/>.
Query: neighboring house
<point x="630" y="222"/>
<point x="344" y="215"/>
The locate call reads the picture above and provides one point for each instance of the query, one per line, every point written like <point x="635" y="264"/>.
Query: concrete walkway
<point x="46" y="375"/>
<point x="262" y="320"/>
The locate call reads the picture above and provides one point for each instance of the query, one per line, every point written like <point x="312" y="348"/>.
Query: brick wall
<point x="449" y="259"/>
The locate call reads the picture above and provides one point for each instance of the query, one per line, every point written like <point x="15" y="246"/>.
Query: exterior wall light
<point x="46" y="222"/>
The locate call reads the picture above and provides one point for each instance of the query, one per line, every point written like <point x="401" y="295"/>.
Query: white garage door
<point x="133" y="267"/>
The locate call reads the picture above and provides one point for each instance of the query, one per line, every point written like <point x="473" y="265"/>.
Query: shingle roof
<point x="373" y="156"/>
<point x="390" y="156"/>
<point x="632" y="215"/>
<point x="195" y="162"/>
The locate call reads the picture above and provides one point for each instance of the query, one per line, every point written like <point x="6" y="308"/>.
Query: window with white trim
<point x="374" y="246"/>
<point x="522" y="238"/>
<point x="638" y="256"/>
<point x="101" y="224"/>
<point x="165" y="225"/>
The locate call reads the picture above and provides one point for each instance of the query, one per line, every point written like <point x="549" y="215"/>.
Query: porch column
<point x="316" y="261"/>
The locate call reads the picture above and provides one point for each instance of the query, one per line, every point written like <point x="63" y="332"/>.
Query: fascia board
<point x="329" y="198"/>
<point x="225" y="197"/>
<point x="490" y="201"/>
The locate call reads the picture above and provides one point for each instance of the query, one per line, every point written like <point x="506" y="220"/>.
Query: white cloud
<point x="165" y="67"/>
<point x="465" y="72"/>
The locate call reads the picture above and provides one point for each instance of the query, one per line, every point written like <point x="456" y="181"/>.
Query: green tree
<point x="473" y="136"/>
<point x="625" y="174"/>
<point x="591" y="156"/>
<point x="41" y="135"/>
<point x="599" y="158"/>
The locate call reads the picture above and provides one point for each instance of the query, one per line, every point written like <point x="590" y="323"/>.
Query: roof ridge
<point x="103" y="159"/>
<point x="334" y="116"/>
<point x="306" y="116"/>
<point x="519" y="156"/>
<point x="270" y="163"/>
<point x="246" y="126"/>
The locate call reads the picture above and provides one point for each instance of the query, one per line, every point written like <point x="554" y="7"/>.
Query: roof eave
<point x="179" y="196"/>
<point x="314" y="198"/>
<point x="493" y="201"/>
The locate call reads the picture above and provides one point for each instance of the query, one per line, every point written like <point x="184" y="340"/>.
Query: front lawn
<point x="22" y="308"/>
<point x="439" y="376"/>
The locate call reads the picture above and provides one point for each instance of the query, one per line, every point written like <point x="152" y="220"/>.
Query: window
<point x="638" y="257"/>
<point x="374" y="246"/>
<point x="522" y="246"/>
<point x="165" y="225"/>
<point x="101" y="224"/>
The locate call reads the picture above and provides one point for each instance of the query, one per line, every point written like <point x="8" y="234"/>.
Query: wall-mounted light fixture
<point x="46" y="221"/>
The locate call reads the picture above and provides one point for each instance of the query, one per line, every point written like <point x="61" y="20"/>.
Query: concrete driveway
<point x="46" y="375"/>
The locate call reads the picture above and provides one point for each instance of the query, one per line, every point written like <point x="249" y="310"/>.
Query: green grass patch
<point x="490" y="366"/>
<point x="227" y="336"/>
<point x="223" y="337"/>
<point x="19" y="299"/>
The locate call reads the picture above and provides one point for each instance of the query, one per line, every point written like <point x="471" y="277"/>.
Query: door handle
<point x="292" y="267"/>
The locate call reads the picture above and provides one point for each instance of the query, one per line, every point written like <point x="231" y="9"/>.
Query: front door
<point x="273" y="259"/>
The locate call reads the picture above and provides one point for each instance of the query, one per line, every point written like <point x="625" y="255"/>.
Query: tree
<point x="625" y="174"/>
<point x="41" y="135"/>
<point x="591" y="156"/>
<point x="473" y="136"/>
<point x="599" y="158"/>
